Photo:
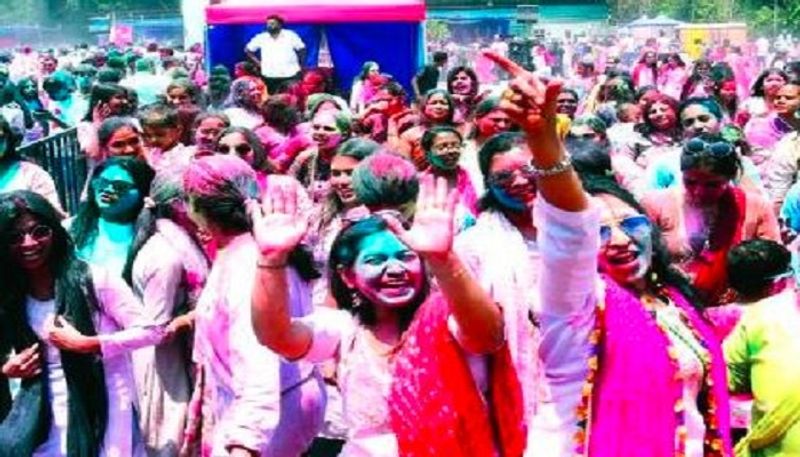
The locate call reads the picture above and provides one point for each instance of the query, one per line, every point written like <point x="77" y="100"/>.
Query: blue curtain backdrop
<point x="394" y="45"/>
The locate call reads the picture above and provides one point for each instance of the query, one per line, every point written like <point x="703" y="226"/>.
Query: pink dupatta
<point x="636" y="407"/>
<point x="435" y="407"/>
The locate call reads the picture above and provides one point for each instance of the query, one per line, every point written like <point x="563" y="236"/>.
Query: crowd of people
<point x="601" y="263"/>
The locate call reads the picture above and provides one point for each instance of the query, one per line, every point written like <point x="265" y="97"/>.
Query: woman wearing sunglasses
<point x="640" y="358"/>
<point x="703" y="116"/>
<point x="244" y="143"/>
<point x="707" y="214"/>
<point x="254" y="404"/>
<point x="413" y="360"/>
<point x="502" y="253"/>
<point x="71" y="327"/>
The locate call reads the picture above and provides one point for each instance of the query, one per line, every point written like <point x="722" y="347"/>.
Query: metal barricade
<point x="61" y="156"/>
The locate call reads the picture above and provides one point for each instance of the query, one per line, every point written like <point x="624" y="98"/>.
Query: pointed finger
<point x="529" y="89"/>
<point x="508" y="65"/>
<point x="551" y="97"/>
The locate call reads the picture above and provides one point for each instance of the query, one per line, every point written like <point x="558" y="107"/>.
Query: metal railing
<point x="61" y="156"/>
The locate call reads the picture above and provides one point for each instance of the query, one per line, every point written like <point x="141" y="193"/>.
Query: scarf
<point x="635" y="398"/>
<point x="507" y="272"/>
<point x="709" y="269"/>
<point x="28" y="423"/>
<point x="435" y="406"/>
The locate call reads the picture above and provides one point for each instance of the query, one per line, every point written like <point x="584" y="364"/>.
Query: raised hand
<point x="529" y="101"/>
<point x="278" y="223"/>
<point x="432" y="233"/>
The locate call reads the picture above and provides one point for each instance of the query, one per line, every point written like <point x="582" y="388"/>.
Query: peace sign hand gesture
<point x="278" y="223"/>
<point x="529" y="101"/>
<point x="432" y="233"/>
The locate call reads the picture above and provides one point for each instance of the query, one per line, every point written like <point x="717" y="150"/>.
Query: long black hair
<point x="344" y="252"/>
<point x="661" y="273"/>
<point x="12" y="140"/>
<point x="165" y="190"/>
<point x="84" y="227"/>
<point x="28" y="423"/>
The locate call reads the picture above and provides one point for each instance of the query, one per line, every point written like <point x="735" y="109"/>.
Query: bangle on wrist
<point x="562" y="166"/>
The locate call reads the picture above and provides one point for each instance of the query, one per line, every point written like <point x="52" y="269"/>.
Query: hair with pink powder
<point x="218" y="187"/>
<point x="385" y="179"/>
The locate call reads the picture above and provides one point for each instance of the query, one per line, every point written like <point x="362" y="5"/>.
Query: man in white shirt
<point x="282" y="54"/>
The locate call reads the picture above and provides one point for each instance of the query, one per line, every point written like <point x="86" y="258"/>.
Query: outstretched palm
<point x="278" y="223"/>
<point x="432" y="231"/>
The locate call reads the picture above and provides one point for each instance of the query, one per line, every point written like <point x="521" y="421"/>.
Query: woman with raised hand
<point x="413" y="362"/>
<point x="254" y="404"/>
<point x="643" y="374"/>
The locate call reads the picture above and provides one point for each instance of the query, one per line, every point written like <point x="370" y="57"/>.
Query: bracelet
<point x="271" y="266"/>
<point x="561" y="167"/>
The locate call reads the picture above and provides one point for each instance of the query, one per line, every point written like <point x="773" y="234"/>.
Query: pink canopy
<point x="316" y="11"/>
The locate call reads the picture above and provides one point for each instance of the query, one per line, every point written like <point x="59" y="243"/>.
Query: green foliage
<point x="758" y="14"/>
<point x="437" y="31"/>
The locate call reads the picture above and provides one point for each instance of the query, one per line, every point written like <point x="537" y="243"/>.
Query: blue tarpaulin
<point x="394" y="45"/>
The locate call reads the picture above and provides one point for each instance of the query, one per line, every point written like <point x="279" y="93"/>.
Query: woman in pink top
<point x="644" y="374"/>
<point x="443" y="147"/>
<point x="256" y="404"/>
<point x="423" y="371"/>
<point x="645" y="72"/>
<point x="672" y="76"/>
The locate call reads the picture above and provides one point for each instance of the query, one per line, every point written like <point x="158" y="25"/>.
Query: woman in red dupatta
<point x="422" y="373"/>
<point x="708" y="214"/>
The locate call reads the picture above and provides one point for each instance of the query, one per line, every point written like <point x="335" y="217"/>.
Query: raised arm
<point x="278" y="226"/>
<point x="531" y="103"/>
<point x="479" y="319"/>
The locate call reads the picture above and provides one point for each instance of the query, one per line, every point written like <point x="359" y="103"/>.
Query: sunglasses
<point x="38" y="233"/>
<point x="240" y="149"/>
<point x="119" y="187"/>
<point x="698" y="146"/>
<point x="505" y="178"/>
<point x="632" y="226"/>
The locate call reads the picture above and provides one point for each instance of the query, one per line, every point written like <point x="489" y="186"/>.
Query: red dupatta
<point x="435" y="407"/>
<point x="710" y="269"/>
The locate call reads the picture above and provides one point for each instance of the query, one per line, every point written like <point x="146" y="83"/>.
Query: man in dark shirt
<point x="428" y="76"/>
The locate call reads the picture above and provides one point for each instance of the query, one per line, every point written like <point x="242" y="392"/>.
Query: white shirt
<point x="278" y="54"/>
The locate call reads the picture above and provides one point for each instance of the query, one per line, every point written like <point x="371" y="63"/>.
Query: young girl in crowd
<point x="162" y="133"/>
<point x="438" y="108"/>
